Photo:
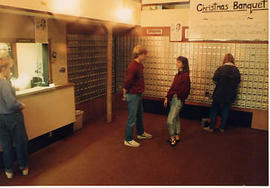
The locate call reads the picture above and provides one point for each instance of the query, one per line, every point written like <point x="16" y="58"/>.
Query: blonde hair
<point x="138" y="50"/>
<point x="5" y="62"/>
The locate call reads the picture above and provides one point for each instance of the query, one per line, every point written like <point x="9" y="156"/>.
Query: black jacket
<point x="227" y="79"/>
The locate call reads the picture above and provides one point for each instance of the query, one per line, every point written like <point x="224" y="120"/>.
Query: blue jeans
<point x="225" y="108"/>
<point x="13" y="133"/>
<point x="173" y="121"/>
<point x="135" y="115"/>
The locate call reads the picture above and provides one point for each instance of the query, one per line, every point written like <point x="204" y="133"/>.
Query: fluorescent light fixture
<point x="69" y="7"/>
<point x="124" y="14"/>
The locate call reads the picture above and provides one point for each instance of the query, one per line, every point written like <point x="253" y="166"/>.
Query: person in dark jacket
<point x="227" y="78"/>
<point x="132" y="93"/>
<point x="12" y="128"/>
<point x="177" y="95"/>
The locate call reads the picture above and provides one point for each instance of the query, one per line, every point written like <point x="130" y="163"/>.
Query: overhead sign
<point x="228" y="20"/>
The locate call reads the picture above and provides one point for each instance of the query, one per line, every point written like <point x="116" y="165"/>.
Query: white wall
<point x="97" y="9"/>
<point x="162" y="1"/>
<point x="162" y="18"/>
<point x="27" y="4"/>
<point x="107" y="10"/>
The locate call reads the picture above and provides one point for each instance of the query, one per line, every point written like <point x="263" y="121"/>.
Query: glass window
<point x="31" y="67"/>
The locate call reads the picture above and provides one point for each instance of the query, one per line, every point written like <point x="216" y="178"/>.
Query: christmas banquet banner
<point x="228" y="20"/>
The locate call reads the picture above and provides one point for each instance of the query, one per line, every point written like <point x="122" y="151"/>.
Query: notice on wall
<point x="176" y="32"/>
<point x="228" y="20"/>
<point x="41" y="30"/>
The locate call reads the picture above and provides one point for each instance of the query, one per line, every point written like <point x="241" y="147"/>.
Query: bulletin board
<point x="224" y="20"/>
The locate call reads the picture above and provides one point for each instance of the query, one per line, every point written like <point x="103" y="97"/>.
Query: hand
<point x="165" y="102"/>
<point x="124" y="98"/>
<point x="23" y="106"/>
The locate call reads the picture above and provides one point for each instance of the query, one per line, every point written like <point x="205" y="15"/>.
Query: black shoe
<point x="172" y="142"/>
<point x="221" y="130"/>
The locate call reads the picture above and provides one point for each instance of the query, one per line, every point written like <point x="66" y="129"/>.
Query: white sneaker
<point x="145" y="135"/>
<point x="9" y="175"/>
<point x="132" y="143"/>
<point x="208" y="129"/>
<point x="25" y="172"/>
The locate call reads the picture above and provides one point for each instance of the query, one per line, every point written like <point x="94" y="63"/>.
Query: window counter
<point x="47" y="108"/>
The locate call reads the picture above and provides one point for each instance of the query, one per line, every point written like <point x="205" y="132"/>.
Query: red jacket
<point x="134" y="82"/>
<point x="180" y="86"/>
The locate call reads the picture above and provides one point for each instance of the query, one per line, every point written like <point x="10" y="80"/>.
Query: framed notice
<point x="41" y="30"/>
<point x="176" y="32"/>
<point x="228" y="20"/>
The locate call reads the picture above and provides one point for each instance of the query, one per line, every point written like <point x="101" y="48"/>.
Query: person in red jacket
<point x="132" y="93"/>
<point x="177" y="95"/>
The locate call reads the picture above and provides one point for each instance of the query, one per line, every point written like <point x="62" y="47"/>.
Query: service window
<point x="31" y="67"/>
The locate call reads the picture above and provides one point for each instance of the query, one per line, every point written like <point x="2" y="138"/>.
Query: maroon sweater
<point x="180" y="86"/>
<point x="134" y="82"/>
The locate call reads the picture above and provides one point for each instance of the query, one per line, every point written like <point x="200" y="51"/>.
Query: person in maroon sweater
<point x="132" y="92"/>
<point x="177" y="95"/>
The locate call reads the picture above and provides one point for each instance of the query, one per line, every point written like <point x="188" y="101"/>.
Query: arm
<point x="216" y="76"/>
<point x="238" y="77"/>
<point x="170" y="93"/>
<point x="10" y="98"/>
<point x="124" y="98"/>
<point x="184" y="89"/>
<point x="165" y="102"/>
<point x="130" y="76"/>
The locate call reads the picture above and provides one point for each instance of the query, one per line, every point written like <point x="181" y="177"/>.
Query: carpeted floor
<point x="96" y="156"/>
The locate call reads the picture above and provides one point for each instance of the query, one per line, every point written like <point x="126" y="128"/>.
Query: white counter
<point x="34" y="90"/>
<point x="47" y="108"/>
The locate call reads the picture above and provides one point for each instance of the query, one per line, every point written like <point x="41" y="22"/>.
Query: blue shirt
<point x="8" y="101"/>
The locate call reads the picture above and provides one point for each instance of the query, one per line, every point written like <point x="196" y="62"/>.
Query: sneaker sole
<point x="143" y="138"/>
<point x="126" y="144"/>
<point x="9" y="176"/>
<point x="25" y="173"/>
<point x="208" y="130"/>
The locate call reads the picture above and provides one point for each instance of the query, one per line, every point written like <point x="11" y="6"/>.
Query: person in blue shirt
<point x="12" y="128"/>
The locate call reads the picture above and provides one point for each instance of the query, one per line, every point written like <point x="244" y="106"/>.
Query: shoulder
<point x="132" y="65"/>
<point x="221" y="68"/>
<point x="4" y="83"/>
<point x="231" y="67"/>
<point x="185" y="74"/>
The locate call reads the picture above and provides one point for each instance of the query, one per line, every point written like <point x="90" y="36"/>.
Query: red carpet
<point x="96" y="156"/>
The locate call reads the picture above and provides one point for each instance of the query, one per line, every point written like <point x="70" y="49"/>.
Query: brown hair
<point x="228" y="58"/>
<point x="184" y="61"/>
<point x="5" y="62"/>
<point x="138" y="50"/>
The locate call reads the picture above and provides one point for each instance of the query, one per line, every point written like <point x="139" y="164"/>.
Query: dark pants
<point x="224" y="109"/>
<point x="135" y="115"/>
<point x="13" y="133"/>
